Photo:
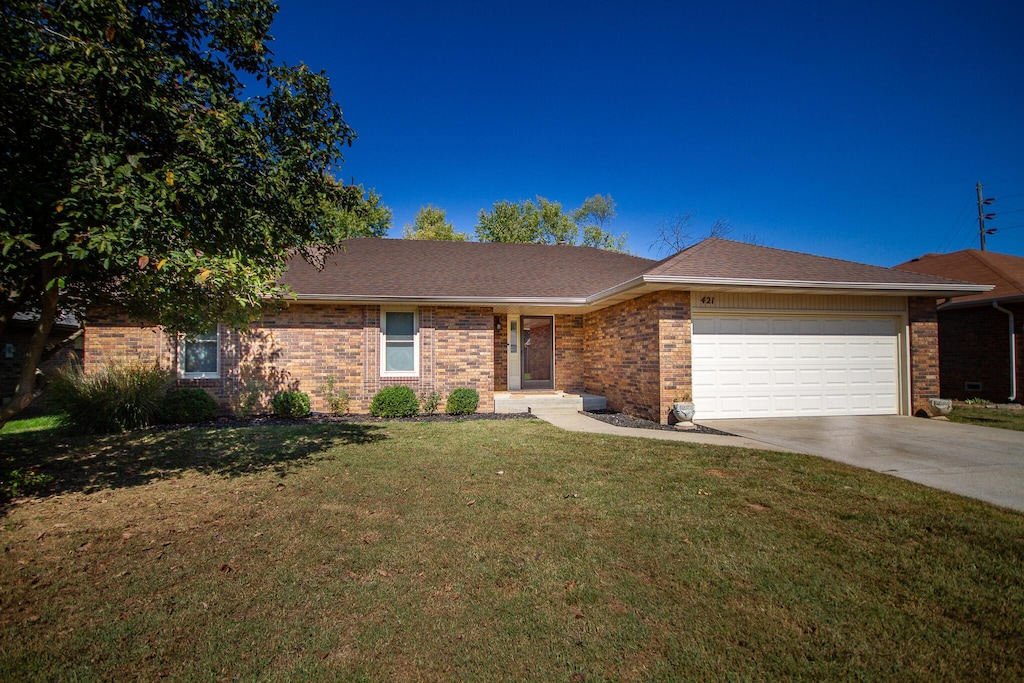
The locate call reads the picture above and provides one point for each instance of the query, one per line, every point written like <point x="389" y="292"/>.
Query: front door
<point x="536" y="352"/>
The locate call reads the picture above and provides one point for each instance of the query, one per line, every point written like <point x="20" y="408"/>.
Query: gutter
<point x="1013" y="351"/>
<point x="918" y="289"/>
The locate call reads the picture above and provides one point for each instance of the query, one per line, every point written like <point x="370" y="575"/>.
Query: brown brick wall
<point x="622" y="347"/>
<point x="924" y="352"/>
<point x="302" y="346"/>
<point x="463" y="349"/>
<point x="569" y="354"/>
<point x="112" y="337"/>
<point x="974" y="346"/>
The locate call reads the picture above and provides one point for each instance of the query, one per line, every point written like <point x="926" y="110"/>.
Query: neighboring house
<point x="15" y="342"/>
<point x="981" y="345"/>
<point x="751" y="331"/>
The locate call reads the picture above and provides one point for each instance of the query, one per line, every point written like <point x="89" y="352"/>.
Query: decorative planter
<point x="941" y="406"/>
<point x="683" y="410"/>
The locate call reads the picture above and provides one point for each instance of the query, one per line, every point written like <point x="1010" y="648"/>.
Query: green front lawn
<point x="491" y="551"/>
<point x="988" y="417"/>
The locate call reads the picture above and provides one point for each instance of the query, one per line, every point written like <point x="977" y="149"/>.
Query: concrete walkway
<point x="577" y="422"/>
<point x="978" y="462"/>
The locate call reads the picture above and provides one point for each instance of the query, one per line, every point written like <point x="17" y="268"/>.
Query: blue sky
<point x="848" y="129"/>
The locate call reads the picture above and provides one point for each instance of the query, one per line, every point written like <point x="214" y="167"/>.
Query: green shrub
<point x="462" y="401"/>
<point x="397" y="401"/>
<point x="290" y="404"/>
<point x="430" y="402"/>
<point x="337" y="399"/>
<point x="116" y="398"/>
<point x="189" y="404"/>
<point x="20" y="482"/>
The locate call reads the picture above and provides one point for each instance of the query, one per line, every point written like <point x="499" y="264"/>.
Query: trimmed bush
<point x="116" y="398"/>
<point x="290" y="404"/>
<point x="397" y="401"/>
<point x="190" y="404"/>
<point x="462" y="401"/>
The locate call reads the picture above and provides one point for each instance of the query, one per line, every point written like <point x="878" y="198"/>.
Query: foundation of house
<point x="550" y="402"/>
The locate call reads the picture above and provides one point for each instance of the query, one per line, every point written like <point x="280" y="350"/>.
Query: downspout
<point x="1013" y="351"/>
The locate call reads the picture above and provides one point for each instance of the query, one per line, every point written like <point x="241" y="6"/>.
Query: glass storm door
<point x="537" y="352"/>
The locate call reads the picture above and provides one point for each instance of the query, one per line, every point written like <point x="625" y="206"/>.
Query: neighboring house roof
<point x="1003" y="271"/>
<point x="64" y="320"/>
<point x="502" y="273"/>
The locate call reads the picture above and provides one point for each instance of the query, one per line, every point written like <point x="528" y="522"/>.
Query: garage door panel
<point x="777" y="365"/>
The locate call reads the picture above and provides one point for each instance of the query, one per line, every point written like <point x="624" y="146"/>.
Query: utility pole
<point x="982" y="216"/>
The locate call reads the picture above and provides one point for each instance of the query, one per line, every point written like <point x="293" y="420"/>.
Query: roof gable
<point x="1004" y="271"/>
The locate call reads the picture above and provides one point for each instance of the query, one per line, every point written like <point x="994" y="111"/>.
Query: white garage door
<point x="780" y="366"/>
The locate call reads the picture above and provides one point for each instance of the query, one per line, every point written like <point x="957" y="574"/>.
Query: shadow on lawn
<point x="87" y="464"/>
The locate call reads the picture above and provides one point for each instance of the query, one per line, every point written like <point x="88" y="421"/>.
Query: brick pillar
<point x="675" y="341"/>
<point x="924" y="353"/>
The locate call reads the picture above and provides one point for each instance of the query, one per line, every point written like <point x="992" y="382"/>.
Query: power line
<point x="956" y="229"/>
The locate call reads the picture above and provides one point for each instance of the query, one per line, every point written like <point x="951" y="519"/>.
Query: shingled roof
<point x="423" y="270"/>
<point x="725" y="260"/>
<point x="426" y="269"/>
<point x="1003" y="271"/>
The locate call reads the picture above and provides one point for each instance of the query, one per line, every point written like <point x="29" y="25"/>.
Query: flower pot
<point x="683" y="411"/>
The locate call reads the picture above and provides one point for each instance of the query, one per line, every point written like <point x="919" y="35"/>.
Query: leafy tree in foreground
<point x="431" y="223"/>
<point x="545" y="222"/>
<point x="134" y="170"/>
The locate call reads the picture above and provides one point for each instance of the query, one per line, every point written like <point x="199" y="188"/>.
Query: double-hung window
<point x="399" y="342"/>
<point x="200" y="355"/>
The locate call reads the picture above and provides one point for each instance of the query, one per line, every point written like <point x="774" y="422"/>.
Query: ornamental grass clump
<point x="462" y="401"/>
<point x="397" y="401"/>
<point x="290" y="404"/>
<point x="116" y="398"/>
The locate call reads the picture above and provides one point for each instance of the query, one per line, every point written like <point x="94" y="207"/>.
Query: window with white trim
<point x="200" y="355"/>
<point x="399" y="343"/>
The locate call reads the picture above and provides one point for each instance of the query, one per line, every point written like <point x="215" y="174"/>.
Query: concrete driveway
<point x="980" y="462"/>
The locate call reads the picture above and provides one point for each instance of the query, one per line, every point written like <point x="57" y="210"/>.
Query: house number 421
<point x="707" y="300"/>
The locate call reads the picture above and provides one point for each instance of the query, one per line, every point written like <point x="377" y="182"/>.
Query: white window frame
<point x="384" y="372"/>
<point x="183" y="348"/>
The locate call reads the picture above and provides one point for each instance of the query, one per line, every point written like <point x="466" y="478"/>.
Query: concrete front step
<point x="550" y="403"/>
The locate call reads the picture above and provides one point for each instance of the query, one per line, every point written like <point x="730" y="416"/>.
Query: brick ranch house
<point x="981" y="335"/>
<point x="750" y="331"/>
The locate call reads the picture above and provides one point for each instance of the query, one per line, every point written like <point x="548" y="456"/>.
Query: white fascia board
<point x="441" y="301"/>
<point x="638" y="281"/>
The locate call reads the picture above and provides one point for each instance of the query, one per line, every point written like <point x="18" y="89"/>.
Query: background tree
<point x="135" y="172"/>
<point x="546" y="222"/>
<point x="592" y="219"/>
<point x="431" y="223"/>
<point x="510" y="222"/>
<point x="678" y="233"/>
